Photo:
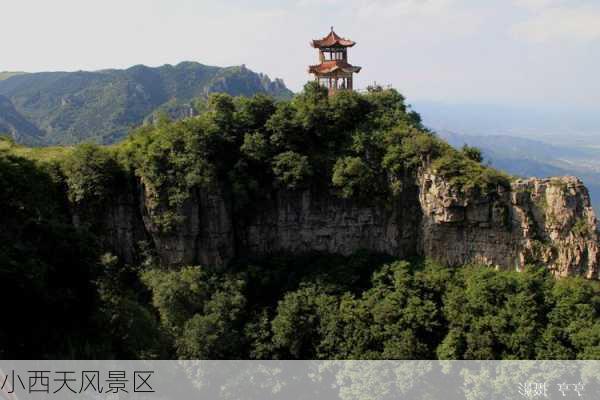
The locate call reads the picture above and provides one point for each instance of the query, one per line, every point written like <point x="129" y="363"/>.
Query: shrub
<point x="91" y="173"/>
<point x="256" y="146"/>
<point x="467" y="175"/>
<point x="472" y="153"/>
<point x="291" y="169"/>
<point x="581" y="228"/>
<point x="172" y="160"/>
<point x="352" y="176"/>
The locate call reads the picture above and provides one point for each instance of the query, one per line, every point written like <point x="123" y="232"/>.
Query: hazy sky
<point x="526" y="52"/>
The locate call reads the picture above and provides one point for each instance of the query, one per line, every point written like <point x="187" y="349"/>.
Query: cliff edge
<point x="536" y="222"/>
<point x="336" y="174"/>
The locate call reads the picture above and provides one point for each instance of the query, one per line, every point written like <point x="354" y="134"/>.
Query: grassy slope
<point x="35" y="153"/>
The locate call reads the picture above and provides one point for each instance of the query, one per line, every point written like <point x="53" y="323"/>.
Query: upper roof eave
<point x="332" y="40"/>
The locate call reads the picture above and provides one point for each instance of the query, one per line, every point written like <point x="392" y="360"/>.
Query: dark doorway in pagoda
<point x="333" y="71"/>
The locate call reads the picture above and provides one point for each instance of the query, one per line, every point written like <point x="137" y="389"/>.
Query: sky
<point x="542" y="53"/>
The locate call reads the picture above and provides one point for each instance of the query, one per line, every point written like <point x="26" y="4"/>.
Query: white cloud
<point x="581" y="23"/>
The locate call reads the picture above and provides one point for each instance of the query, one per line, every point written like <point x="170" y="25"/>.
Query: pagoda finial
<point x="331" y="28"/>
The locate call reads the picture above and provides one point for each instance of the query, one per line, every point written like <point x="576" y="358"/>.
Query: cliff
<point x="537" y="221"/>
<point x="121" y="241"/>
<point x="335" y="174"/>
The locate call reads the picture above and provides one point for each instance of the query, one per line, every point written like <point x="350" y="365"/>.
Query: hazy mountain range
<point x="560" y="124"/>
<point x="524" y="141"/>
<point x="16" y="125"/>
<point x="70" y="107"/>
<point x="529" y="157"/>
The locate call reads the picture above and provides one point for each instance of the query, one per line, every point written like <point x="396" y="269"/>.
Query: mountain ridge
<point x="8" y="74"/>
<point x="13" y="123"/>
<point x="102" y="106"/>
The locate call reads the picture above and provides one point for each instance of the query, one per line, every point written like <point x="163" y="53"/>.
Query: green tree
<point x="47" y="266"/>
<point x="352" y="176"/>
<point x="573" y="321"/>
<point x="216" y="331"/>
<point x="92" y="174"/>
<point x="472" y="153"/>
<point x="298" y="323"/>
<point x="255" y="146"/>
<point x="129" y="324"/>
<point x="252" y="113"/>
<point x="403" y="317"/>
<point x="291" y="169"/>
<point x="200" y="310"/>
<point x="286" y="133"/>
<point x="493" y="314"/>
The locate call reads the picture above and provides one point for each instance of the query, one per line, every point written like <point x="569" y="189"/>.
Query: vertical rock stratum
<point x="537" y="221"/>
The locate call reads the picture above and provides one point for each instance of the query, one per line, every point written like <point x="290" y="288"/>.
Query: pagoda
<point x="333" y="70"/>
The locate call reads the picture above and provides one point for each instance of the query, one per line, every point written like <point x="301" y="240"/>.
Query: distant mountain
<point x="562" y="124"/>
<point x="13" y="123"/>
<point x="514" y="147"/>
<point x="7" y="74"/>
<point x="524" y="141"/>
<point x="534" y="158"/>
<point x="71" y="107"/>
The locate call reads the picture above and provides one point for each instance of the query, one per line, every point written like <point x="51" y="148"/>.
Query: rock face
<point x="547" y="221"/>
<point x="537" y="221"/>
<point x="312" y="221"/>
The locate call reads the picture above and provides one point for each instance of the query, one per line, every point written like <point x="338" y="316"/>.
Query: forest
<point x="65" y="295"/>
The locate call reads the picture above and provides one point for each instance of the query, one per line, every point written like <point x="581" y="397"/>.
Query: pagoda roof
<point x="332" y="40"/>
<point x="328" y="67"/>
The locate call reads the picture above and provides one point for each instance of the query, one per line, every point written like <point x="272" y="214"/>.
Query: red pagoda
<point x="333" y="72"/>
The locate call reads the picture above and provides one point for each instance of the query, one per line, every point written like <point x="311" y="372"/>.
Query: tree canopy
<point x="365" y="147"/>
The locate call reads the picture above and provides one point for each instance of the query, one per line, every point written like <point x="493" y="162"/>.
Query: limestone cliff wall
<point x="305" y="221"/>
<point x="548" y="221"/>
<point x="204" y="236"/>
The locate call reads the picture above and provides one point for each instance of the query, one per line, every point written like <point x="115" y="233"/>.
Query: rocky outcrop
<point x="204" y="236"/>
<point x="536" y="221"/>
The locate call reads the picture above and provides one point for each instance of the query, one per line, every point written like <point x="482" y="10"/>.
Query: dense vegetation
<point x="362" y="307"/>
<point x="361" y="145"/>
<point x="101" y="106"/>
<point x="367" y="147"/>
